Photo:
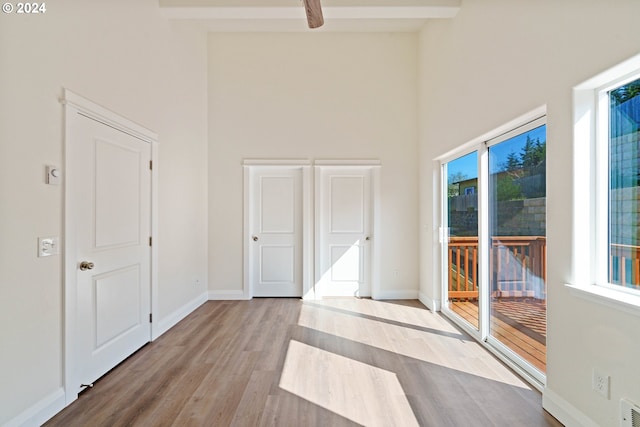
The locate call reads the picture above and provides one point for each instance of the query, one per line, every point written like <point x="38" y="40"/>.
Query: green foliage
<point x="626" y="92"/>
<point x="507" y="189"/>
<point x="513" y="162"/>
<point x="533" y="152"/>
<point x="453" y="186"/>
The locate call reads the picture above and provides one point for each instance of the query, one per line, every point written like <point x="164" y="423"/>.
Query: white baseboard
<point x="172" y="319"/>
<point x="431" y="304"/>
<point x="41" y="412"/>
<point x="227" y="295"/>
<point x="563" y="411"/>
<point x="399" y="294"/>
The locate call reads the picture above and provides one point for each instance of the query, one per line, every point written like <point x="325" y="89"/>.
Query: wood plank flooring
<point x="520" y="325"/>
<point x="288" y="362"/>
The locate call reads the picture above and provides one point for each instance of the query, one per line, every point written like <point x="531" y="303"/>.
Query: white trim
<point x="461" y="322"/>
<point x="583" y="208"/>
<point x="107" y="117"/>
<point x="348" y="163"/>
<point x="432" y="304"/>
<point x="563" y="411"/>
<point x="484" y="243"/>
<point x="375" y="242"/>
<point x="275" y="162"/>
<point x="590" y="202"/>
<point x="69" y="272"/>
<point x="155" y="330"/>
<point x="612" y="298"/>
<point x="40" y="412"/>
<point x="76" y="104"/>
<point x="532" y="123"/>
<point x="516" y="362"/>
<point x="250" y="165"/>
<point x="227" y="295"/>
<point x="600" y="189"/>
<point x="625" y="68"/>
<point x="434" y="283"/>
<point x="317" y="179"/>
<point x="308" y="288"/>
<point x="179" y="314"/>
<point x="396" y="294"/>
<point x="246" y="235"/>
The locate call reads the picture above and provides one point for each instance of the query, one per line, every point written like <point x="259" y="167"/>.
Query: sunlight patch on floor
<point x="434" y="341"/>
<point x="362" y="393"/>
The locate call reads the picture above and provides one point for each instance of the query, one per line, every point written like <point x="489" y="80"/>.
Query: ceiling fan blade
<point x="314" y="13"/>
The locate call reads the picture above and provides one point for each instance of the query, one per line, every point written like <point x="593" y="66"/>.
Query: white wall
<point x="313" y="96"/>
<point x="123" y="55"/>
<point x="495" y="61"/>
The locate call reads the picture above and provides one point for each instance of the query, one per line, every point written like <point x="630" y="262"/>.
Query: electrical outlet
<point x="48" y="246"/>
<point x="601" y="383"/>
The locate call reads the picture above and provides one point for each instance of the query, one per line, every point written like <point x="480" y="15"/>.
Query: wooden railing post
<point x="513" y="260"/>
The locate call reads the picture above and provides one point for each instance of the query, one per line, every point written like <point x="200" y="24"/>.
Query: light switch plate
<point x="53" y="175"/>
<point x="48" y="246"/>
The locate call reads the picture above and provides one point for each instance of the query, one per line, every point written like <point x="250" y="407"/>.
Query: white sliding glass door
<point x="462" y="256"/>
<point x="494" y="243"/>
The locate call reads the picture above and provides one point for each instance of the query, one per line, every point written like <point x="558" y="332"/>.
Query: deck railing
<point x="624" y="265"/>
<point x="518" y="267"/>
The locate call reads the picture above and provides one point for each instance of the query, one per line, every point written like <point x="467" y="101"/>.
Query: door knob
<point x="86" y="265"/>
<point x="255" y="238"/>
<point x="367" y="238"/>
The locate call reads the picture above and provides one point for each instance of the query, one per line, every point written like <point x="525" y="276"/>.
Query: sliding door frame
<point x="483" y="235"/>
<point x="481" y="145"/>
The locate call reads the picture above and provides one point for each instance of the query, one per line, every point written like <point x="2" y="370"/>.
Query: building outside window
<point x="623" y="144"/>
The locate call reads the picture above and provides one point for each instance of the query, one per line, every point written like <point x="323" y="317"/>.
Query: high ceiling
<point x="289" y="15"/>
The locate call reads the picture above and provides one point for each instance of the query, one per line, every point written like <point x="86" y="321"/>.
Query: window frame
<point x="602" y="181"/>
<point x="591" y="202"/>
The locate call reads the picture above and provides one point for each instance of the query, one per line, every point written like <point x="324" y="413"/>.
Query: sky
<point x="468" y="165"/>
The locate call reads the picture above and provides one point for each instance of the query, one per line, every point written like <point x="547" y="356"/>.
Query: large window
<point x="606" y="186"/>
<point x="621" y="121"/>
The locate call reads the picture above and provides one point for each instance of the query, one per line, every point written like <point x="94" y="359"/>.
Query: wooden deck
<point x="519" y="323"/>
<point x="518" y="271"/>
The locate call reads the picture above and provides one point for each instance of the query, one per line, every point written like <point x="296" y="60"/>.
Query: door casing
<point x="375" y="235"/>
<point x="310" y="225"/>
<point x="74" y="104"/>
<point x="250" y="166"/>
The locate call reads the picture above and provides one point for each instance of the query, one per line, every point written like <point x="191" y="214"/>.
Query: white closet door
<point x="275" y="231"/>
<point x="344" y="201"/>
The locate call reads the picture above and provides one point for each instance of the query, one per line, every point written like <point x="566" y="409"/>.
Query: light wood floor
<point x="287" y="362"/>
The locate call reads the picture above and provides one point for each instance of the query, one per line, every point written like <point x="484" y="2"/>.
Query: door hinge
<point x="151" y="165"/>
<point x="150" y="241"/>
<point x="150" y="317"/>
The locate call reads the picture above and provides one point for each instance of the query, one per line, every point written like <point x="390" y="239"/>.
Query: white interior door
<point x="275" y="231"/>
<point x="109" y="198"/>
<point x="343" y="214"/>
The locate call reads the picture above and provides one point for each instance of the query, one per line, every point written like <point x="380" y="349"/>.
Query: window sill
<point x="617" y="300"/>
